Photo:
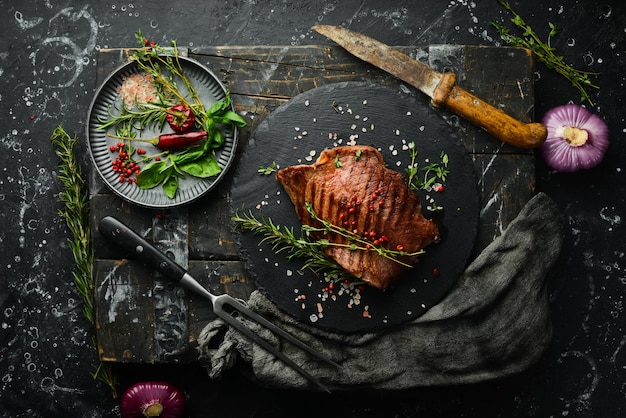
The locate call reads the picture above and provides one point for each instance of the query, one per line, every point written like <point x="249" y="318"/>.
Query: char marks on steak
<point x="350" y="186"/>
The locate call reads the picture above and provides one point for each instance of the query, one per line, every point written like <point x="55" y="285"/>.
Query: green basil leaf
<point x="218" y="139"/>
<point x="151" y="175"/>
<point x="170" y="186"/>
<point x="188" y="155"/>
<point x="218" y="108"/>
<point x="206" y="167"/>
<point x="234" y="118"/>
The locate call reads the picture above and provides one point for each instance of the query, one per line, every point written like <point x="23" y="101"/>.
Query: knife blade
<point x="440" y="87"/>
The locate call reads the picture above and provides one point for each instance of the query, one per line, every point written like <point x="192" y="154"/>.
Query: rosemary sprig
<point x="355" y="241"/>
<point x="146" y="114"/>
<point x="153" y="59"/>
<point x="545" y="52"/>
<point x="75" y="213"/>
<point x="312" y="250"/>
<point x="283" y="239"/>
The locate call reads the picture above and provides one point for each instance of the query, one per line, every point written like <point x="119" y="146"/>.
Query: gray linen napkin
<point x="494" y="322"/>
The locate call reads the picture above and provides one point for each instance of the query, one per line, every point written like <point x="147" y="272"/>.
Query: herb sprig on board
<point x="311" y="250"/>
<point x="284" y="239"/>
<point x="581" y="80"/>
<point x="75" y="213"/>
<point x="434" y="173"/>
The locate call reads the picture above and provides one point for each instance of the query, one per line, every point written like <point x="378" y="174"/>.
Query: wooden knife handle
<point x="496" y="122"/>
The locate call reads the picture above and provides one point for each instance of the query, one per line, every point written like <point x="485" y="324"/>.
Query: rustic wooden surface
<point x="142" y="318"/>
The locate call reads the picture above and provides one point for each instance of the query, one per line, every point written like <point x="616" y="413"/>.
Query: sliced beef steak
<point x="350" y="186"/>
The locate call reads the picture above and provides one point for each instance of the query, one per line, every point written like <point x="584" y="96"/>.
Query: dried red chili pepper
<point x="180" y="118"/>
<point x="170" y="141"/>
<point x="176" y="141"/>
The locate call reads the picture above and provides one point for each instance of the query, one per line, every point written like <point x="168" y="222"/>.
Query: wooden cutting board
<point x="141" y="317"/>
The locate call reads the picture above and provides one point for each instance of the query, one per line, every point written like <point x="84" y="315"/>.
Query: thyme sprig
<point x="266" y="171"/>
<point x="434" y="173"/>
<point x="75" y="213"/>
<point x="545" y="52"/>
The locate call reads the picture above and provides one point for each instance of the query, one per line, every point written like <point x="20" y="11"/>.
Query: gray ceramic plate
<point x="107" y="99"/>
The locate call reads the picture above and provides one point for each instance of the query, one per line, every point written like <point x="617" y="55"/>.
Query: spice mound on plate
<point x="371" y="218"/>
<point x="137" y="88"/>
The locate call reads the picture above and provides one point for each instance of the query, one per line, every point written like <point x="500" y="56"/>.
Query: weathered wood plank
<point x="124" y="311"/>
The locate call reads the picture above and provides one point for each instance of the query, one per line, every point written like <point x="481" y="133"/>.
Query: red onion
<point x="577" y="139"/>
<point x="152" y="399"/>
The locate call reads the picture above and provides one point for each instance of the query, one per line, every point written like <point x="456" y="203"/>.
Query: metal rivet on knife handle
<point x="441" y="88"/>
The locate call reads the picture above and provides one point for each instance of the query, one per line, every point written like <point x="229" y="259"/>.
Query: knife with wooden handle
<point x="440" y="87"/>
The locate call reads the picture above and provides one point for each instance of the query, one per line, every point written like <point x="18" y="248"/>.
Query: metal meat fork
<point x="129" y="240"/>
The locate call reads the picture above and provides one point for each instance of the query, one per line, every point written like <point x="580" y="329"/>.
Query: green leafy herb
<point x="75" y="213"/>
<point x="434" y="174"/>
<point x="338" y="163"/>
<point x="266" y="171"/>
<point x="545" y="52"/>
<point x="357" y="156"/>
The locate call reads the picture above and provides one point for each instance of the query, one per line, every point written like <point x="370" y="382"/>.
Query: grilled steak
<point x="350" y="186"/>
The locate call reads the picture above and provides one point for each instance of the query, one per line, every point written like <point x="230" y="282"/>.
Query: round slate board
<point x="341" y="114"/>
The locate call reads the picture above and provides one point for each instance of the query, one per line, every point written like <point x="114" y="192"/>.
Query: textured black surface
<point x="344" y="114"/>
<point x="48" y="63"/>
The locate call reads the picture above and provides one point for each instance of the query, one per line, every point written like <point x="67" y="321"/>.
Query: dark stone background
<point x="48" y="53"/>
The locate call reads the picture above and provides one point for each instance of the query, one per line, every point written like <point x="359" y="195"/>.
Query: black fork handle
<point x="137" y="247"/>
